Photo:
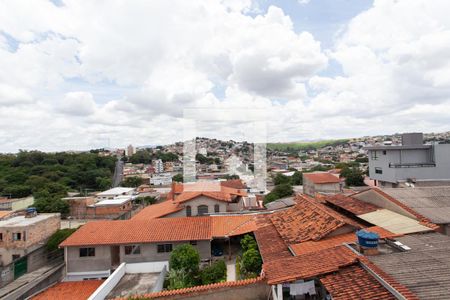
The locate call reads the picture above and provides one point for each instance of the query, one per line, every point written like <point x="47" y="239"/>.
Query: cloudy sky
<point x="86" y="74"/>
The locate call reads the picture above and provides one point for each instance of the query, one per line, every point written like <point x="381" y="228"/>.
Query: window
<point x="378" y="171"/>
<point x="188" y="211"/>
<point x="217" y="208"/>
<point x="162" y="248"/>
<point x="132" y="249"/>
<point x="1" y="236"/>
<point x="373" y="155"/>
<point x="85" y="252"/>
<point x="193" y="243"/>
<point x="202" y="210"/>
<point x="384" y="152"/>
<point x="17" y="236"/>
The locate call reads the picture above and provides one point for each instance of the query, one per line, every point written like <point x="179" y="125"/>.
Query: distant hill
<point x="301" y="146"/>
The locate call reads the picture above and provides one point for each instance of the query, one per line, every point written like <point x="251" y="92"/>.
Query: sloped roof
<point x="233" y="225"/>
<point x="308" y="220"/>
<point x="350" y="204"/>
<point x="135" y="231"/>
<point x="308" y="265"/>
<point x="322" y="177"/>
<point x="329" y="242"/>
<point x="74" y="290"/>
<point x="271" y="245"/>
<point x="157" y="210"/>
<point x="353" y="282"/>
<point x="430" y="202"/>
<point x="394" y="222"/>
<point x="186" y="196"/>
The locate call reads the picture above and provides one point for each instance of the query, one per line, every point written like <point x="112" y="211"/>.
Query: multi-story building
<point x="130" y="150"/>
<point x="412" y="162"/>
<point x="159" y="166"/>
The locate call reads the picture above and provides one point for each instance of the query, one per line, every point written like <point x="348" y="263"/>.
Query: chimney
<point x="367" y="242"/>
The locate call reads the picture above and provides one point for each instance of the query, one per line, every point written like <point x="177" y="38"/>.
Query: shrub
<point x="216" y="272"/>
<point x="185" y="257"/>
<point x="248" y="242"/>
<point x="251" y="261"/>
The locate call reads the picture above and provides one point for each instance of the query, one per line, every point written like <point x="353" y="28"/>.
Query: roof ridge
<point x="200" y="288"/>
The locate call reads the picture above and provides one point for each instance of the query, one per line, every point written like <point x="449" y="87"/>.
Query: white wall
<point x="147" y="267"/>
<point x="109" y="284"/>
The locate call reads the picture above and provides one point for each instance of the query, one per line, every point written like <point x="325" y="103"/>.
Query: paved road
<point x="118" y="173"/>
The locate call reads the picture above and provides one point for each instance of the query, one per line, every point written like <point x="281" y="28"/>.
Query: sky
<point x="83" y="74"/>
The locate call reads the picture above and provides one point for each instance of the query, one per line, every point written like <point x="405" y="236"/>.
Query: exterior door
<point x="115" y="256"/>
<point x="20" y="267"/>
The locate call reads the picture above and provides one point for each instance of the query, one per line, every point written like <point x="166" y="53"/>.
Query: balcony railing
<point x="412" y="165"/>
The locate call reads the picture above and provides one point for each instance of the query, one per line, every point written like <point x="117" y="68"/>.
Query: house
<point x="321" y="182"/>
<point x="413" y="162"/>
<point x="78" y="206"/>
<point x="197" y="199"/>
<point x="161" y="179"/>
<point x="158" y="165"/>
<point x="99" y="247"/>
<point x="110" y="208"/>
<point x="115" y="192"/>
<point x="15" y="204"/>
<point x="23" y="234"/>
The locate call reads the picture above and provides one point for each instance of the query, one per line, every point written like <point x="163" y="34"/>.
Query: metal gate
<point x="20" y="267"/>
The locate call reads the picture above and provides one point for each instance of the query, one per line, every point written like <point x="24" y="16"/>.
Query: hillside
<point x="302" y="146"/>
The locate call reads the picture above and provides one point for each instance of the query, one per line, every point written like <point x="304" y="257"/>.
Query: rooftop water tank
<point x="367" y="239"/>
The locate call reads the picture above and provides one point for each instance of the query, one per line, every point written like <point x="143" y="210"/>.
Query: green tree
<point x="178" y="178"/>
<point x="132" y="181"/>
<point x="185" y="257"/>
<point x="58" y="237"/>
<point x="280" y="191"/>
<point x="252" y="261"/>
<point x="297" y="178"/>
<point x="248" y="242"/>
<point x="280" y="179"/>
<point x="147" y="200"/>
<point x="354" y="177"/>
<point x="214" y="273"/>
<point x="16" y="191"/>
<point x="51" y="205"/>
<point x="178" y="279"/>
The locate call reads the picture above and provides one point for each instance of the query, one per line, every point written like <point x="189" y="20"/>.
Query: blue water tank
<point x="31" y="210"/>
<point x="367" y="239"/>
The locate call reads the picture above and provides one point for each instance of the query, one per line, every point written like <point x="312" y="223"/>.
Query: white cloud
<point x="165" y="56"/>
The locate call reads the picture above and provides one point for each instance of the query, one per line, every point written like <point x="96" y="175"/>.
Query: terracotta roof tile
<point x="353" y="282"/>
<point x="157" y="210"/>
<point x="233" y="225"/>
<point x="186" y="196"/>
<point x="271" y="245"/>
<point x="308" y="220"/>
<point x="201" y="288"/>
<point x="322" y="177"/>
<point x="352" y="205"/>
<point x="135" y="231"/>
<point x="329" y="242"/>
<point x="74" y="290"/>
<point x="309" y="265"/>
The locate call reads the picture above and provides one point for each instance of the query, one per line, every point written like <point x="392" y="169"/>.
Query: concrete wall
<point x="109" y="284"/>
<point x="309" y="188"/>
<point x="35" y="234"/>
<point x="195" y="203"/>
<point x="102" y="259"/>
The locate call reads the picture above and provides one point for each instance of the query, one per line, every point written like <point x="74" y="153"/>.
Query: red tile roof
<point x="135" y="231"/>
<point x="200" y="288"/>
<point x="322" y="177"/>
<point x="157" y="210"/>
<point x="353" y="282"/>
<point x="353" y="205"/>
<point x="186" y="196"/>
<point x="73" y="290"/>
<point x="234" y="183"/>
<point x="233" y="225"/>
<point x="271" y="245"/>
<point x="309" y="265"/>
<point x="329" y="242"/>
<point x="308" y="220"/>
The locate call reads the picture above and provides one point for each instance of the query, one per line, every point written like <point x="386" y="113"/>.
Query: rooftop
<point x="431" y="202"/>
<point x="74" y="290"/>
<point x="134" y="284"/>
<point x="354" y="282"/>
<point x="116" y="201"/>
<point x="20" y="221"/>
<point x="425" y="269"/>
<point x="352" y="205"/>
<point x="115" y="191"/>
<point x="322" y="177"/>
<point x="137" y="231"/>
<point x="157" y="210"/>
<point x="308" y="220"/>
